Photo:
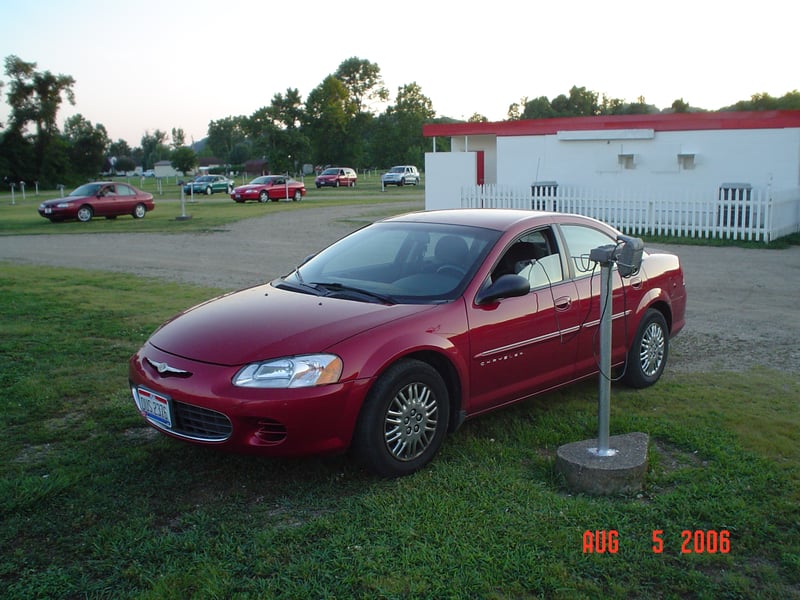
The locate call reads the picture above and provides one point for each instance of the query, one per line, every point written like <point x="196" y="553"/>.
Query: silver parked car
<point x="401" y="175"/>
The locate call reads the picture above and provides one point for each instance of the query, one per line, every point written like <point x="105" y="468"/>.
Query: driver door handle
<point x="563" y="303"/>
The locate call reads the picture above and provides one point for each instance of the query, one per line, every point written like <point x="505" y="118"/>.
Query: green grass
<point x="93" y="504"/>
<point x="208" y="213"/>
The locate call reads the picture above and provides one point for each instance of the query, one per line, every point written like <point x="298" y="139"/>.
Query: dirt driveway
<point x="744" y="305"/>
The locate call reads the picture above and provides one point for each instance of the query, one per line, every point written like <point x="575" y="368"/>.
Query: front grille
<point x="200" y="423"/>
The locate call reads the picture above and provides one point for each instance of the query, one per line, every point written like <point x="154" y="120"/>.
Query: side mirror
<point x="507" y="286"/>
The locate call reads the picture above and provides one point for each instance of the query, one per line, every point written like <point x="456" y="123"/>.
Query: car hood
<point x="67" y="199"/>
<point x="266" y="322"/>
<point x="252" y="186"/>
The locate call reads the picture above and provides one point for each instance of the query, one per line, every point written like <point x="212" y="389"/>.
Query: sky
<point x="146" y="65"/>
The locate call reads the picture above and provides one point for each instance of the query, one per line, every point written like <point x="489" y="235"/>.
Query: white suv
<point x="401" y="175"/>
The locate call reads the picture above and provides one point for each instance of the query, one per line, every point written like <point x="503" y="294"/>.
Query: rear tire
<point x="139" y="211"/>
<point x="404" y="419"/>
<point x="647" y="356"/>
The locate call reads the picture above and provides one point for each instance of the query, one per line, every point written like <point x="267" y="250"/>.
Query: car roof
<point x="491" y="218"/>
<point x="499" y="219"/>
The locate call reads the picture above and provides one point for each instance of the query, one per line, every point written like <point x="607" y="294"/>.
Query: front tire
<point x="298" y="195"/>
<point x="263" y="196"/>
<point x="647" y="356"/>
<point x="403" y="421"/>
<point x="209" y="191"/>
<point x="85" y="214"/>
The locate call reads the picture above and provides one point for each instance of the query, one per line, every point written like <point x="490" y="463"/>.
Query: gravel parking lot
<point x="743" y="304"/>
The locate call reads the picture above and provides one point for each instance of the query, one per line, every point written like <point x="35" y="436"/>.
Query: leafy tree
<point x="515" y="109"/>
<point x="326" y="121"/>
<point x="399" y="129"/>
<point x="35" y="97"/>
<point x="224" y="135"/>
<point x="679" y="106"/>
<point x="124" y="164"/>
<point x="86" y="146"/>
<point x="363" y="82"/>
<point x="538" y="108"/>
<point x="477" y="118"/>
<point x="580" y="103"/>
<point x="184" y="159"/>
<point x="154" y="148"/>
<point x="119" y="148"/>
<point x="17" y="154"/>
<point x="178" y="138"/>
<point x="286" y="111"/>
<point x="240" y="153"/>
<point x="789" y="101"/>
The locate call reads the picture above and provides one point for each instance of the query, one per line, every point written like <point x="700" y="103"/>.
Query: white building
<point x="164" y="168"/>
<point x="710" y="155"/>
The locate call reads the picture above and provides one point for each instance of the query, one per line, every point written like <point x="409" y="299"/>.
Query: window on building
<point x="627" y="161"/>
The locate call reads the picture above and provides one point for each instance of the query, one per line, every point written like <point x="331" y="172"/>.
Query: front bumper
<point x="207" y="409"/>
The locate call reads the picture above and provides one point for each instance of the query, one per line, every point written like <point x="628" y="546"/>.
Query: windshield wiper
<point x="299" y="286"/>
<point x="340" y="287"/>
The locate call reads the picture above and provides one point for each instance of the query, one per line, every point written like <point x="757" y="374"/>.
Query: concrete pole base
<point x="621" y="472"/>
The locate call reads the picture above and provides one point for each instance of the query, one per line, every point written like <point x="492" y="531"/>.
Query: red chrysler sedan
<point x="269" y="187"/>
<point x="388" y="339"/>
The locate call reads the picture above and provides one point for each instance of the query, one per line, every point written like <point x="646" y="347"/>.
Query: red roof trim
<point x="768" y="119"/>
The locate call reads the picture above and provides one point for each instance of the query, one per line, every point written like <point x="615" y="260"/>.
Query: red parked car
<point x="388" y="339"/>
<point x="100" y="199"/>
<point x="269" y="187"/>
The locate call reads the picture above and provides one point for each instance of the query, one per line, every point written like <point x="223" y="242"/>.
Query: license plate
<point x="238" y="196"/>
<point x="48" y="211"/>
<point x="154" y="406"/>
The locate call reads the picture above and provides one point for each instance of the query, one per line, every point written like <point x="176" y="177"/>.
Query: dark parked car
<point x="208" y="184"/>
<point x="100" y="199"/>
<point x="336" y="177"/>
<point x="270" y="187"/>
<point x="388" y="339"/>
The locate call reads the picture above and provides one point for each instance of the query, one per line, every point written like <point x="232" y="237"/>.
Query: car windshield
<point x="204" y="178"/>
<point x="396" y="170"/>
<point x="262" y="180"/>
<point x="87" y="189"/>
<point x="330" y="172"/>
<point x="396" y="262"/>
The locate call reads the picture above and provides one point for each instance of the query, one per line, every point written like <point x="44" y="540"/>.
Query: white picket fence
<point x="727" y="213"/>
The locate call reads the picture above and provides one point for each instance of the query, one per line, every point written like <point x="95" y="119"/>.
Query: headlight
<point x="291" y="372"/>
<point x="63" y="205"/>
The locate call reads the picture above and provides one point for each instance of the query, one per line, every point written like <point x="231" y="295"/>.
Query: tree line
<point x="337" y="123"/>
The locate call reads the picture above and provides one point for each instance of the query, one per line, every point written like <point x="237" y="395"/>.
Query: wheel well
<point x="663" y="308"/>
<point x="448" y="372"/>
